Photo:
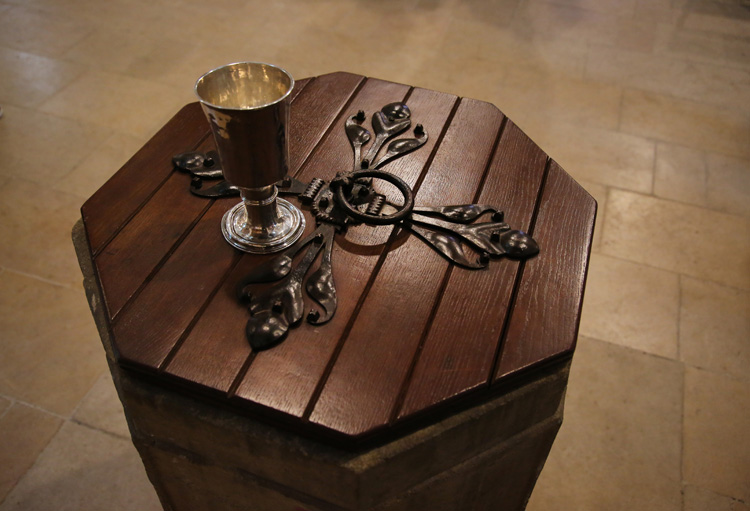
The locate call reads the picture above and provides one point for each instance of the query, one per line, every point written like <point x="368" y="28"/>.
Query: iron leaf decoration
<point x="351" y="198"/>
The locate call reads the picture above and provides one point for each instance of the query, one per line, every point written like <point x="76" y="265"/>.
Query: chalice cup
<point x="247" y="106"/>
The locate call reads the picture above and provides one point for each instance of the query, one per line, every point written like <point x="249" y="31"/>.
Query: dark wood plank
<point x="118" y="199"/>
<point x="274" y="379"/>
<point x="459" y="351"/>
<point x="146" y="332"/>
<point x="216" y="349"/>
<point x="145" y="216"/>
<point x="363" y="387"/>
<point x="412" y="332"/>
<point x="198" y="355"/>
<point x="298" y="86"/>
<point x="126" y="262"/>
<point x="112" y="206"/>
<point x="287" y="377"/>
<point x="545" y="316"/>
<point x="315" y="110"/>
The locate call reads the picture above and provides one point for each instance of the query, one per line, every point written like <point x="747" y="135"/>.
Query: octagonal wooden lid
<point x="413" y="335"/>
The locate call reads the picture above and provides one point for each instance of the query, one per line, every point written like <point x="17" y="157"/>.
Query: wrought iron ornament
<point x="351" y="198"/>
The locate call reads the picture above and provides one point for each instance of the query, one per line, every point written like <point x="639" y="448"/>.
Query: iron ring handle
<point x="396" y="181"/>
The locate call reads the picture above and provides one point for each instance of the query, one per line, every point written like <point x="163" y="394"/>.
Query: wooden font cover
<point x="412" y="335"/>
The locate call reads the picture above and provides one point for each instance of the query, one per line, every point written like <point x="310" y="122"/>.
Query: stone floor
<point x="645" y="102"/>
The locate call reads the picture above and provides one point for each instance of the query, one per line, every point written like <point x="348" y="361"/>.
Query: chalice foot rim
<point x="288" y="229"/>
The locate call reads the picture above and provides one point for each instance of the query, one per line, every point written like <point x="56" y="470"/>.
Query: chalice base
<point x="287" y="229"/>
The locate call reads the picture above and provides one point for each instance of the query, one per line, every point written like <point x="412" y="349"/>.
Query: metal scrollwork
<point x="351" y="198"/>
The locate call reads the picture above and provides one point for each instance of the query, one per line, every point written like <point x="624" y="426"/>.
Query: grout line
<point x="599" y="252"/>
<point x="11" y="401"/>
<point x="654" y="169"/>
<point x="705" y="157"/>
<point x="41" y="279"/>
<point x="38" y="408"/>
<point x="631" y="348"/>
<point x="682" y="433"/>
<point x="679" y="315"/>
<point x="100" y="430"/>
<point x="83" y="398"/>
<point x="600" y="221"/>
<point x="668" y="199"/>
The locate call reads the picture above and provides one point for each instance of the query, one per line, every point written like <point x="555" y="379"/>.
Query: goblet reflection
<point x="247" y="107"/>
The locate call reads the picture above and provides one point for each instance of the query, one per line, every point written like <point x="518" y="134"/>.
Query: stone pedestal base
<point x="203" y="457"/>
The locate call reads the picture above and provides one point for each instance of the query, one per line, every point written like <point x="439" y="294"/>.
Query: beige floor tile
<point x="500" y="47"/>
<point x="596" y="155"/>
<point x="721" y="8"/>
<point x="699" y="45"/>
<point x="680" y="174"/>
<point x="731" y="26"/>
<point x="599" y="192"/>
<point x="28" y="79"/>
<point x="389" y="45"/>
<point x="723" y="86"/>
<point x="576" y="101"/>
<point x="115" y="102"/>
<point x="24" y="433"/>
<point x="124" y="52"/>
<point x="716" y="443"/>
<point x="702" y="46"/>
<point x="42" y="148"/>
<point x="703" y="179"/>
<point x="485" y="83"/>
<point x="662" y="11"/>
<point x="32" y="31"/>
<point x="686" y="122"/>
<point x="715" y="327"/>
<point x="700" y="499"/>
<point x="99" y="166"/>
<point x="102" y="409"/>
<point x="728" y="184"/>
<point x="555" y="21"/>
<point x="638" y="34"/>
<point x="631" y="305"/>
<point x="495" y="14"/>
<point x="51" y="350"/>
<point x="4" y="404"/>
<point x="624" y="8"/>
<point x="143" y="17"/>
<point x="199" y="59"/>
<point x="552" y="59"/>
<point x="84" y="469"/>
<point x="35" y="223"/>
<point x="619" y="446"/>
<point x="681" y="131"/>
<point x="737" y="51"/>
<point x="677" y="237"/>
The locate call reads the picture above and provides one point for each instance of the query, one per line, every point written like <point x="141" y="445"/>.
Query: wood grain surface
<point x="110" y="208"/>
<point x="405" y="292"/>
<point x="412" y="335"/>
<point x="544" y="321"/>
<point x="469" y="321"/>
